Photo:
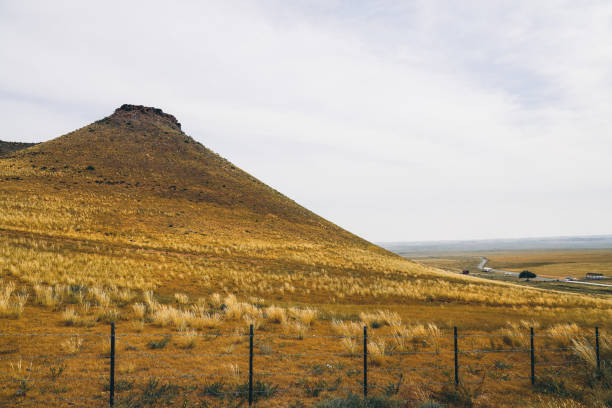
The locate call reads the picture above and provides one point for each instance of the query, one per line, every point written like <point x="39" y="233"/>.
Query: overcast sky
<point x="397" y="120"/>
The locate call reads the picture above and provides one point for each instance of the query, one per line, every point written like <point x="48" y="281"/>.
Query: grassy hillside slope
<point x="132" y="201"/>
<point x="129" y="220"/>
<point x="10" y="147"/>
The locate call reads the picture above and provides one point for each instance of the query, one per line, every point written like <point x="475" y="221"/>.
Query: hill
<point x="134" y="180"/>
<point x="9" y="147"/>
<point x="129" y="220"/>
<point x="145" y="206"/>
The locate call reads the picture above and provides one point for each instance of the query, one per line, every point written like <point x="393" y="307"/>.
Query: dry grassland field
<point x="555" y="264"/>
<point x="130" y="221"/>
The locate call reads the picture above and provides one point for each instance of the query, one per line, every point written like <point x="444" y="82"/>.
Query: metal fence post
<point x="112" y="367"/>
<point x="532" y="358"/>
<point x="456" y="356"/>
<point x="597" y="349"/>
<point x="365" y="362"/>
<point x="251" y="365"/>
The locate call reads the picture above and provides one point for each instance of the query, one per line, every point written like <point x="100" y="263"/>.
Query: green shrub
<point x="214" y="389"/>
<point x="159" y="344"/>
<point x="457" y="396"/>
<point x="120" y="385"/>
<point x="355" y="401"/>
<point x="432" y="404"/>
<point x="153" y="394"/>
<point x="552" y="385"/>
<point x="261" y="390"/>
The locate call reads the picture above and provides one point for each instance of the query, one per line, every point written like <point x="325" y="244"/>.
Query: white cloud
<point x="397" y="120"/>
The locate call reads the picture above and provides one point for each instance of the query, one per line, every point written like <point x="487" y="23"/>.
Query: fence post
<point x="456" y="356"/>
<point x="532" y="358"/>
<point x="251" y="365"/>
<point x="112" y="367"/>
<point x="597" y="349"/>
<point x="365" y="362"/>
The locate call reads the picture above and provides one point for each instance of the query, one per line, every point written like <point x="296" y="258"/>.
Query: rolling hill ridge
<point x="141" y="153"/>
<point x="131" y="201"/>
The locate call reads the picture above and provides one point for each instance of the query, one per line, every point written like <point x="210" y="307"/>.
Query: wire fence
<point x="119" y="368"/>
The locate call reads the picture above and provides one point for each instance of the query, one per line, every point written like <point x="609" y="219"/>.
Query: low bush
<point x="159" y="344"/>
<point x="261" y="390"/>
<point x="355" y="401"/>
<point x="215" y="389"/>
<point x="457" y="396"/>
<point x="153" y="394"/>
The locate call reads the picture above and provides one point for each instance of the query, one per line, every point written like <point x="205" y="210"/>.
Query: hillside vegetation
<point x="130" y="220"/>
<point x="10" y="147"/>
<point x="132" y="201"/>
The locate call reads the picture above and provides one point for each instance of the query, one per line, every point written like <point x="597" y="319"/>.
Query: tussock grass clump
<point x="108" y="314"/>
<point x="236" y="310"/>
<point x="350" y="329"/>
<point x="73" y="344"/>
<point x="216" y="300"/>
<point x="380" y="318"/>
<point x="254" y="317"/>
<point x="306" y="315"/>
<point x="11" y="304"/>
<point x="275" y="314"/>
<point x="149" y="299"/>
<point x="585" y="352"/>
<point x="527" y="324"/>
<point x="257" y="301"/>
<point x="376" y="351"/>
<point x="121" y="296"/>
<point x="514" y="336"/>
<point x="187" y="339"/>
<point x="139" y="310"/>
<point x="181" y="298"/>
<point x="298" y="329"/>
<point x="138" y="326"/>
<point x="21" y="375"/>
<point x="235" y="372"/>
<point x="416" y="335"/>
<point x="206" y="321"/>
<point x="434" y="336"/>
<point x="233" y="308"/>
<point x="165" y="315"/>
<point x="350" y="345"/>
<point x="46" y="296"/>
<point x="562" y="334"/>
<point x="100" y="297"/>
<point x="70" y="317"/>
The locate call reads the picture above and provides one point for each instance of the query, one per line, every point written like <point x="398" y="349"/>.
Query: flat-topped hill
<point x="140" y="153"/>
<point x="132" y="201"/>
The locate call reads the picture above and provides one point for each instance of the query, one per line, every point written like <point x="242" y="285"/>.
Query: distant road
<point x="484" y="261"/>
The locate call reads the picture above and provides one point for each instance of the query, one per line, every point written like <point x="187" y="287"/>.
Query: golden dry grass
<point x="557" y="264"/>
<point x="164" y="237"/>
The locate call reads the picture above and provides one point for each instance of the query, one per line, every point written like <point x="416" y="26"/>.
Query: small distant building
<point x="594" y="275"/>
<point x="465" y="272"/>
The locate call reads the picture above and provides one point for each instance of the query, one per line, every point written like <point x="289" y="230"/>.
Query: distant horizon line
<point x="582" y="236"/>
